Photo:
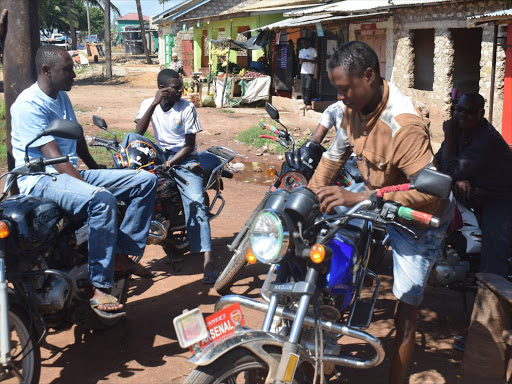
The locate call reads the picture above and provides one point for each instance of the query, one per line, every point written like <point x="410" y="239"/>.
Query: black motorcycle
<point x="312" y="295"/>
<point x="43" y="269"/>
<point x="168" y="226"/>
<point x="296" y="172"/>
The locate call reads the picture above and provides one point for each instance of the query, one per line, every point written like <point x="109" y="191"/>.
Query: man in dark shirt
<point x="479" y="161"/>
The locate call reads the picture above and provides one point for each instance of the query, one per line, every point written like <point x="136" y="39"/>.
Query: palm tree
<point x="71" y="25"/>
<point x="143" y="33"/>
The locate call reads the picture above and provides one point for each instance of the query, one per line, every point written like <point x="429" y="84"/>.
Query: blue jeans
<point x="196" y="213"/>
<point x="97" y="199"/>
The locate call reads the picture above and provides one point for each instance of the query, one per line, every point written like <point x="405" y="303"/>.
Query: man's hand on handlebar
<point x="333" y="196"/>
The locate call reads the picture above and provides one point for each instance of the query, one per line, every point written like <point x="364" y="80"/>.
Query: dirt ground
<point x="143" y="347"/>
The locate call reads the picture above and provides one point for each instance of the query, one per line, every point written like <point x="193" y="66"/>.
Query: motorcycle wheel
<point x="25" y="352"/>
<point x="230" y="274"/>
<point x="241" y="366"/>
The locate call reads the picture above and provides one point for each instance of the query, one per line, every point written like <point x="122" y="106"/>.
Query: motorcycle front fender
<point x="251" y="340"/>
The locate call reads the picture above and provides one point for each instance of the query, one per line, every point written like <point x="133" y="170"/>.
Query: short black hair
<point x="355" y="57"/>
<point x="166" y="75"/>
<point x="477" y="98"/>
<point x="49" y="55"/>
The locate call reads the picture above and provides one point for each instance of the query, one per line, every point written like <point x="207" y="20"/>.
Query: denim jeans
<point x="97" y="199"/>
<point x="196" y="213"/>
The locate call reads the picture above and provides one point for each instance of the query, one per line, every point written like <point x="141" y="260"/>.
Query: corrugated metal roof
<point x="281" y="3"/>
<point x="311" y="20"/>
<point x="349" y="6"/>
<point x="180" y="10"/>
<point x="503" y="15"/>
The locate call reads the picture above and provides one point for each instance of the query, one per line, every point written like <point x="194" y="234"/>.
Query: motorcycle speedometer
<point x="293" y="180"/>
<point x="269" y="237"/>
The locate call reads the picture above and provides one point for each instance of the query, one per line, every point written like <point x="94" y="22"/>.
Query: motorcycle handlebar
<point x="56" y="160"/>
<point x="174" y="174"/>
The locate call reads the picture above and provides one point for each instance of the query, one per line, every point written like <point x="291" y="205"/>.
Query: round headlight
<point x="269" y="237"/>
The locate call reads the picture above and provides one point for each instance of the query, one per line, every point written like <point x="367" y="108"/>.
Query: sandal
<point x="102" y="300"/>
<point x="137" y="270"/>
<point x="210" y="277"/>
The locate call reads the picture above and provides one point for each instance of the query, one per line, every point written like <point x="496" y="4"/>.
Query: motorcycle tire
<point x="237" y="263"/>
<point x="240" y="361"/>
<point x="25" y="351"/>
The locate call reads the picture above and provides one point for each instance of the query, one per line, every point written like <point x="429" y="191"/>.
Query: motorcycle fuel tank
<point x="340" y="278"/>
<point x="34" y="220"/>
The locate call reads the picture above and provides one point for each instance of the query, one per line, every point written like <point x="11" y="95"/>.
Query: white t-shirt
<point x="309" y="54"/>
<point x="171" y="127"/>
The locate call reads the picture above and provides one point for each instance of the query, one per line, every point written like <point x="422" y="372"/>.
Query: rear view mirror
<point x="272" y="111"/>
<point x="433" y="183"/>
<point x="59" y="128"/>
<point x="99" y="122"/>
<point x="63" y="128"/>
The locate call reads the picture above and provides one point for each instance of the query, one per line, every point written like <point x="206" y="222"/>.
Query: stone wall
<point x="442" y="18"/>
<point x="216" y="7"/>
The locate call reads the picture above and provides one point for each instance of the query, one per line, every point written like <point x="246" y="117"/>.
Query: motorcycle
<point x="312" y="292"/>
<point x="459" y="258"/>
<point x="168" y="226"/>
<point x="296" y="172"/>
<point x="43" y="269"/>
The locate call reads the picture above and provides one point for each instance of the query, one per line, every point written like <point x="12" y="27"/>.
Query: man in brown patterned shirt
<point x="391" y="141"/>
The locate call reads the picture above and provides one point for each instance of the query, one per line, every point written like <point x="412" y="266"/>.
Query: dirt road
<point x="143" y="348"/>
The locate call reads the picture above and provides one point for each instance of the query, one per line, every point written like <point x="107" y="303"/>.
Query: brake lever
<point x="399" y="225"/>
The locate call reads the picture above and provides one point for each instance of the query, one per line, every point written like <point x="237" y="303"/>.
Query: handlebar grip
<point x="56" y="160"/>
<point x="267" y="137"/>
<point x="421" y="217"/>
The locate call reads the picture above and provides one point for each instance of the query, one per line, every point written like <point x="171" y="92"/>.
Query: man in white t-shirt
<point x="175" y="124"/>
<point x="308" y="59"/>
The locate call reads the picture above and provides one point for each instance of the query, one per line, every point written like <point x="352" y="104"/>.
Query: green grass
<point x="228" y="111"/>
<point x="250" y="137"/>
<point x="103" y="156"/>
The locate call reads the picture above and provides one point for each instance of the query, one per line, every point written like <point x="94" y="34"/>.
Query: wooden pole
<point x="108" y="52"/>
<point x="493" y="72"/>
<point x="210" y="60"/>
<point x="227" y="64"/>
<point x="21" y="41"/>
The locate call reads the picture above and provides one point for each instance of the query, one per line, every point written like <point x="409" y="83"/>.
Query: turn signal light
<point x="4" y="230"/>
<point x="317" y="253"/>
<point x="251" y="259"/>
<point x="271" y="171"/>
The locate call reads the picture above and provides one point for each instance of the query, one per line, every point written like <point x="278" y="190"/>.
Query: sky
<point x="149" y="7"/>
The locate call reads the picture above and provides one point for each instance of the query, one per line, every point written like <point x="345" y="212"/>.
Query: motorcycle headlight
<point x="269" y="237"/>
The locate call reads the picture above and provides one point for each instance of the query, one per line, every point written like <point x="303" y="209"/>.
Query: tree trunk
<point x="143" y="33"/>
<point x="71" y="25"/>
<point x="21" y="41"/>
<point x="88" y="22"/>
<point x="108" y="53"/>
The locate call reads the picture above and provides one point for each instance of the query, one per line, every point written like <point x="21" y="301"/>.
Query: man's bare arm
<point x="51" y="150"/>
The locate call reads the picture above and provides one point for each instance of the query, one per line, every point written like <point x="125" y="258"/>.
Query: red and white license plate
<point x="222" y="324"/>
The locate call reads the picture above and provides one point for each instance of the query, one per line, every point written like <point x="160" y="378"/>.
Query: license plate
<point x="222" y="324"/>
<point x="190" y="328"/>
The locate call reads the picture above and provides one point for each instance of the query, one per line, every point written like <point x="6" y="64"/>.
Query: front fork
<point x="5" y="336"/>
<point x="290" y="357"/>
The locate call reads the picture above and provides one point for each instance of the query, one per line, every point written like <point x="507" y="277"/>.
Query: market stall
<point x="235" y="85"/>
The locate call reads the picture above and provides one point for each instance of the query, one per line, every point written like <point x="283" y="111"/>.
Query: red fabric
<point x="456" y="222"/>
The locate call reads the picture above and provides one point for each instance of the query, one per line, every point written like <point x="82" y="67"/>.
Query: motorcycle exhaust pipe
<point x="328" y="326"/>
